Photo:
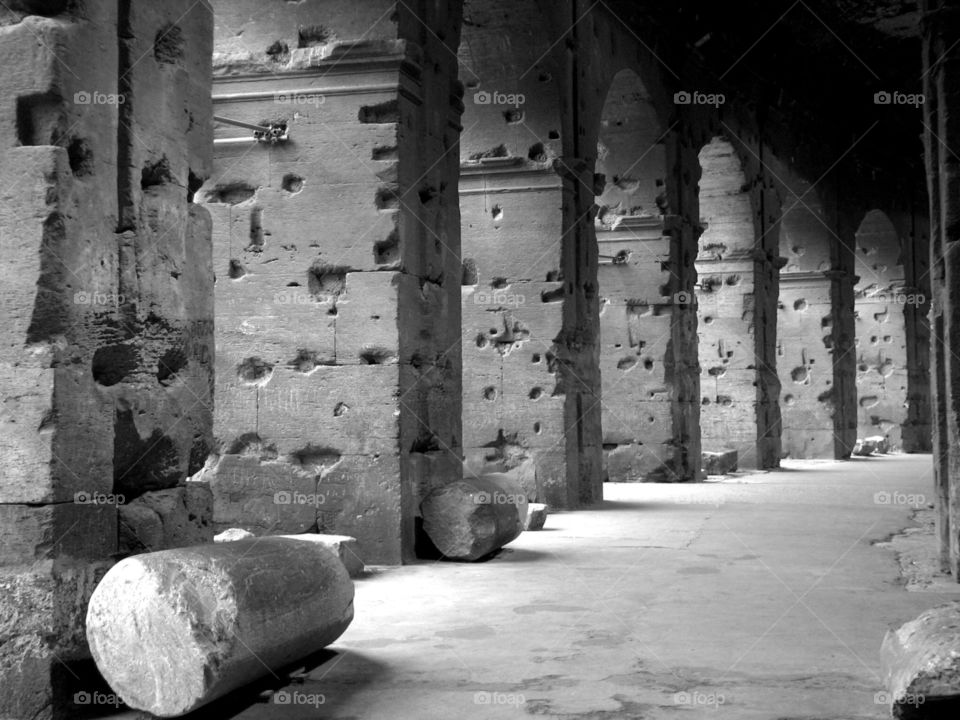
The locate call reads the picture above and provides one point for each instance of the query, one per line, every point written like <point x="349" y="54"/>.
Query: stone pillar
<point x="106" y="358"/>
<point x="736" y="300"/>
<point x="814" y="331"/>
<point x="914" y="233"/>
<point x="512" y="313"/>
<point x="337" y="255"/>
<point x="941" y="85"/>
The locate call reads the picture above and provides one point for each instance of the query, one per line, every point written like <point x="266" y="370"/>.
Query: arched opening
<point x="881" y="298"/>
<point x="634" y="286"/>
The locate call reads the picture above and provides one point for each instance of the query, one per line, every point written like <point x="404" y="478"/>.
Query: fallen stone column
<point x="921" y="663"/>
<point x="171" y="631"/>
<point x="472" y="517"/>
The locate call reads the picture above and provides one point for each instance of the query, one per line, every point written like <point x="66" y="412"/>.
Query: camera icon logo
<point x="81" y="698"/>
<point x="282" y="698"/>
<point x="282" y="498"/>
<point x="482" y="98"/>
<point x="682" y="98"/>
<point x="482" y="498"/>
<point x="81" y="97"/>
<point x="882" y="498"/>
<point x="882" y="98"/>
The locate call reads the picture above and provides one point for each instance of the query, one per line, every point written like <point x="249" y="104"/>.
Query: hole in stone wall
<point x="490" y="393"/>
<point x="385" y="112"/>
<point x="498" y="283"/>
<point x="550" y="296"/>
<point x="497" y="213"/>
<point x="538" y="153"/>
<point x="537" y="428"/>
<point x="384" y="152"/>
<point x="376" y="356"/>
<point x="173" y="361"/>
<point x="312" y="35"/>
<point x="513" y="116"/>
<point x="156" y="173"/>
<point x="326" y="280"/>
<point x="112" y="363"/>
<point x="626" y="363"/>
<point x="340" y="408"/>
<point x="254" y="371"/>
<point x="142" y="464"/>
<point x="236" y="270"/>
<point x="292" y="183"/>
<point x="553" y="135"/>
<point x="305" y="362"/>
<point x="387" y="252"/>
<point x="278" y="52"/>
<point x="428" y="194"/>
<point x="535" y="358"/>
<point x="80" y="156"/>
<point x="168" y="45"/>
<point x="231" y="193"/>
<point x="387" y="199"/>
<point x="536" y="393"/>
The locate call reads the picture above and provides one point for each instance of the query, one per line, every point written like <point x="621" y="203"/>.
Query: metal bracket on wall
<point x="273" y="133"/>
<point x="619" y="259"/>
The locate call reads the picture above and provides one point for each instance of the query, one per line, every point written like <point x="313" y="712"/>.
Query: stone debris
<point x="173" y="630"/>
<point x="719" y="463"/>
<point x="471" y="518"/>
<point x="536" y="516"/>
<point x="921" y="663"/>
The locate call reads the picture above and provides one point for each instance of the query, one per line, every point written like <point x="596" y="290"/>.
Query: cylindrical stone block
<point x="176" y="629"/>
<point x="472" y="517"/>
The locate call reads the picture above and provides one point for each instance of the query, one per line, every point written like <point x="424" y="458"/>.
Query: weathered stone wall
<point x="337" y="262"/>
<point x="634" y="278"/>
<point x="941" y="86"/>
<point x="805" y="325"/>
<point x="731" y="351"/>
<point x="912" y="223"/>
<point x="881" y="301"/>
<point x="106" y="359"/>
<point x="514" y="394"/>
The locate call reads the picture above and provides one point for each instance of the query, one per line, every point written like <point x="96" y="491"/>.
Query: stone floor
<point x="754" y="596"/>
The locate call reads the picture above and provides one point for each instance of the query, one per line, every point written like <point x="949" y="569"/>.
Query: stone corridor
<point x="609" y="336"/>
